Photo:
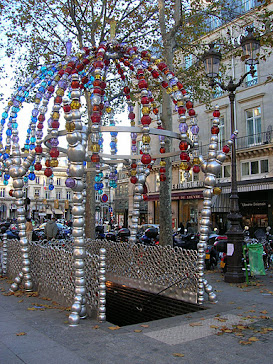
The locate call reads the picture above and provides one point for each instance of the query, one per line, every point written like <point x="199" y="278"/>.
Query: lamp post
<point x="211" y="59"/>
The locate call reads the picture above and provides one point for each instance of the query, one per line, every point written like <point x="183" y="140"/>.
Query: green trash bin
<point x="255" y="255"/>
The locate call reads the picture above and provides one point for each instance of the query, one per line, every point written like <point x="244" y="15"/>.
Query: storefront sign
<point x="254" y="204"/>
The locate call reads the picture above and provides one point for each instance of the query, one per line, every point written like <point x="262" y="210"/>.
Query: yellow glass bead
<point x="196" y="160"/>
<point x="95" y="148"/>
<point x="180" y="103"/>
<point x="55" y="115"/>
<point x="57" y="78"/>
<point x="60" y="92"/>
<point x="54" y="163"/>
<point x="145" y="110"/>
<point x="75" y="104"/>
<point x="184" y="165"/>
<point x="153" y="105"/>
<point x="133" y="172"/>
<point x="79" y="55"/>
<point x="175" y="88"/>
<point x="7" y="150"/>
<point x="1" y="145"/>
<point x="108" y="109"/>
<point x="217" y="190"/>
<point x="133" y="123"/>
<point x="146" y="139"/>
<point x="10" y="103"/>
<point x="162" y="164"/>
<point x="97" y="77"/>
<point x="157" y="61"/>
<point x="169" y="90"/>
<point x="70" y="127"/>
<point x="37" y="101"/>
<point x="115" y="140"/>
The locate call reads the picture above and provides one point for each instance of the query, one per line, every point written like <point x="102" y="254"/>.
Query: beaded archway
<point x="65" y="83"/>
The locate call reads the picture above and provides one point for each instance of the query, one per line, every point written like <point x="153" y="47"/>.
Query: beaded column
<point x="102" y="286"/>
<point x="4" y="255"/>
<point x="76" y="155"/>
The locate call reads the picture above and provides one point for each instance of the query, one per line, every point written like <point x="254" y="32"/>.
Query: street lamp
<point x="211" y="59"/>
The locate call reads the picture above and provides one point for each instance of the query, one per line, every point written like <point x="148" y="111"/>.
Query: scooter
<point x="211" y="258"/>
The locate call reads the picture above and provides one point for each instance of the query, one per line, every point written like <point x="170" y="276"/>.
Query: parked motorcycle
<point x="150" y="237"/>
<point x="211" y="258"/>
<point x="185" y="241"/>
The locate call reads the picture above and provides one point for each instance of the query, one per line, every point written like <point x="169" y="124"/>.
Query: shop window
<point x="253" y="126"/>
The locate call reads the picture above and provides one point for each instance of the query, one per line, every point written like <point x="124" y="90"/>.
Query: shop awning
<point x="249" y="186"/>
<point x="48" y="212"/>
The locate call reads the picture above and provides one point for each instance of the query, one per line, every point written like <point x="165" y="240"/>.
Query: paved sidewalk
<point x="238" y="329"/>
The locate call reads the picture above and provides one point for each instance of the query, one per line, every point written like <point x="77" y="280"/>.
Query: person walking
<point x="29" y="229"/>
<point x="51" y="229"/>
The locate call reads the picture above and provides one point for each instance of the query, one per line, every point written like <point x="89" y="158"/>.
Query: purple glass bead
<point x="47" y="96"/>
<point x="112" y="174"/>
<point x="16" y="103"/>
<point x="130" y="108"/>
<point x="183" y="128"/>
<point x="49" y="121"/>
<point x="133" y="135"/>
<point x="39" y="95"/>
<point x="145" y="64"/>
<point x="150" y="94"/>
<point x="39" y="134"/>
<point x="195" y="129"/>
<point x="54" y="142"/>
<point x="62" y="84"/>
<point x="161" y="138"/>
<point x="9" y="125"/>
<point x="133" y="148"/>
<point x="107" y="104"/>
<point x="35" y="112"/>
<point x="173" y="82"/>
<point x="70" y="182"/>
<point x="136" y="62"/>
<point x="15" y="139"/>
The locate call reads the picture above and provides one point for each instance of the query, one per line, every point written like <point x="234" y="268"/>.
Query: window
<point x="2" y="192"/>
<point x="37" y="192"/>
<point x="37" y="180"/>
<point x="58" y="194"/>
<point x="192" y="177"/>
<point x="47" y="195"/>
<point x="68" y="195"/>
<point x="188" y="61"/>
<point x="227" y="171"/>
<point x="58" y="181"/>
<point x="250" y="81"/>
<point x="253" y="126"/>
<point x="254" y="167"/>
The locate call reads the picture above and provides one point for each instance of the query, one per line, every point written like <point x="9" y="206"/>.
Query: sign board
<point x="104" y="198"/>
<point x="110" y="209"/>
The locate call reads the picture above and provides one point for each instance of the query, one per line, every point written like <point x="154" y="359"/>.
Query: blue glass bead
<point x="5" y="156"/>
<point x="8" y="132"/>
<point x="25" y="179"/>
<point x="32" y="139"/>
<point x="32" y="146"/>
<point x="97" y="179"/>
<point x="26" y="147"/>
<point x="4" y="115"/>
<point x="100" y="192"/>
<point x="3" y="122"/>
<point x="51" y="187"/>
<point x="6" y="176"/>
<point x="31" y="168"/>
<point x="96" y="186"/>
<point x="31" y="176"/>
<point x="6" y="182"/>
<point x="14" y="125"/>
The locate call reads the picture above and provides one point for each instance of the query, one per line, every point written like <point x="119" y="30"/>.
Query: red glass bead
<point x="97" y="91"/>
<point x="75" y="84"/>
<point x="196" y="169"/>
<point x="85" y="61"/>
<point x="162" y="178"/>
<point x="226" y="149"/>
<point x="131" y="115"/>
<point x="155" y="74"/>
<point x="84" y="80"/>
<point x="103" y="85"/>
<point x="40" y="126"/>
<point x="87" y="50"/>
<point x="164" y="84"/>
<point x="215" y="130"/>
<point x="61" y="72"/>
<point x="183" y="145"/>
<point x="54" y="152"/>
<point x="48" y="172"/>
<point x="75" y="71"/>
<point x="145" y="100"/>
<point x="95" y="158"/>
<point x="41" y="117"/>
<point x="216" y="113"/>
<point x="189" y="105"/>
<point x="155" y="110"/>
<point x="161" y="66"/>
<point x="181" y="110"/>
<point x="145" y="197"/>
<point x="55" y="124"/>
<point x="126" y="90"/>
<point x="162" y="150"/>
<point x="128" y="97"/>
<point x="98" y="64"/>
<point x="162" y="170"/>
<point x="50" y="89"/>
<point x="191" y="112"/>
<point x="133" y="179"/>
<point x="146" y="159"/>
<point x="38" y="166"/>
<point x="38" y="149"/>
<point x="133" y="165"/>
<point x="11" y="192"/>
<point x="80" y="67"/>
<point x="142" y="84"/>
<point x="47" y="163"/>
<point x="67" y="108"/>
<point x="146" y="120"/>
<point x="133" y="141"/>
<point x="189" y="167"/>
<point x="96" y="118"/>
<point x="68" y="70"/>
<point x="144" y="54"/>
<point x="58" y="100"/>
<point x="179" y="85"/>
<point x="184" y="156"/>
